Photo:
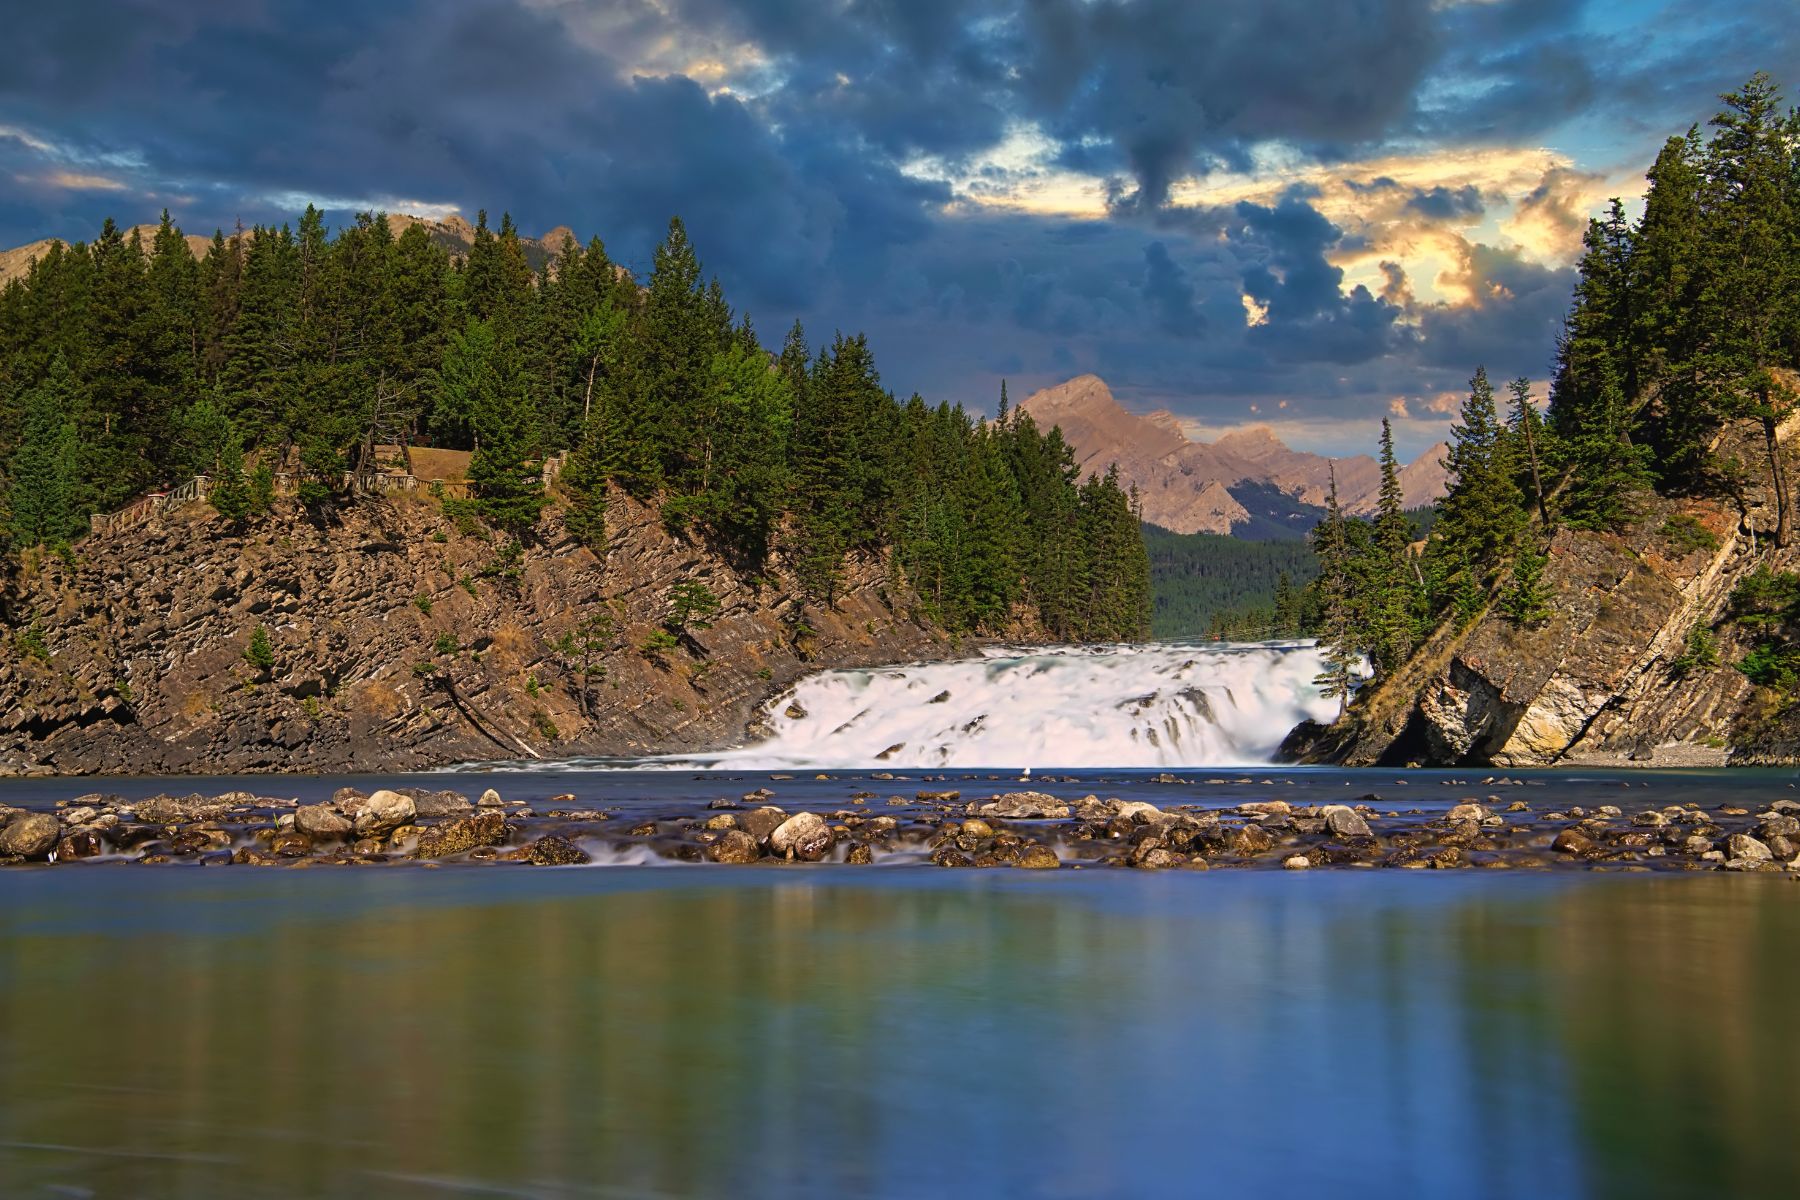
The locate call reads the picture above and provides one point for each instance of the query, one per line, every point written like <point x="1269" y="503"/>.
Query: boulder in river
<point x="383" y="812"/>
<point x="1346" y="822"/>
<point x="460" y="836"/>
<point x="804" y="836"/>
<point x="554" y="851"/>
<point x="759" y="823"/>
<point x="1037" y="858"/>
<point x="32" y="835"/>
<point x="734" y="846"/>
<point x="1023" y="806"/>
<point x="321" y="821"/>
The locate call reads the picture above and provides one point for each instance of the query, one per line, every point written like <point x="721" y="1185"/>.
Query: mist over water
<point x="1161" y="705"/>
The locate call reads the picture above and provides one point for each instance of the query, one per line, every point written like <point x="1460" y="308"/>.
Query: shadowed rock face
<point x="1224" y="486"/>
<point x="401" y="641"/>
<point x="1598" y="682"/>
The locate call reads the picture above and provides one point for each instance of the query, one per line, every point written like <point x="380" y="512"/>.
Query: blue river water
<point x="834" y="1032"/>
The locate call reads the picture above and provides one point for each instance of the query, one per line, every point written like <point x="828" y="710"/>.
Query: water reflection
<point x="773" y="1034"/>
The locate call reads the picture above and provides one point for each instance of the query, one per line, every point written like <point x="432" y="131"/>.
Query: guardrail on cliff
<point x="287" y="483"/>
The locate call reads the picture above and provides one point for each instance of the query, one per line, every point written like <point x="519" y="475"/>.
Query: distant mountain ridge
<point x="1248" y="483"/>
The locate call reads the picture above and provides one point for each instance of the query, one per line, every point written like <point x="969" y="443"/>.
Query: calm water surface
<point x="829" y="1032"/>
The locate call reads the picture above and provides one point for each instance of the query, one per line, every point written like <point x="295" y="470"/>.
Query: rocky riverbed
<point x="1026" y="830"/>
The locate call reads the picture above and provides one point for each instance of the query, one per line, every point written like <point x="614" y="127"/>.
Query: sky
<point x="1304" y="213"/>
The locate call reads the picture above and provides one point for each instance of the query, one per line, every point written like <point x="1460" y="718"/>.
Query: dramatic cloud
<point x="1320" y="210"/>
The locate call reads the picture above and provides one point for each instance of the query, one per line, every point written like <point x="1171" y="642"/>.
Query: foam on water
<point x="1161" y="705"/>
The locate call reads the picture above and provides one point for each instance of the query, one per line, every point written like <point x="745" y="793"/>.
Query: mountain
<point x="452" y="233"/>
<point x="1248" y="483"/>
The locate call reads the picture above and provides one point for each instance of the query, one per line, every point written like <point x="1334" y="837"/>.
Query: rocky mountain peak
<point x="1248" y="482"/>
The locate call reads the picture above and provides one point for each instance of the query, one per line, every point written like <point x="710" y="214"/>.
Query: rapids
<point x="1157" y="705"/>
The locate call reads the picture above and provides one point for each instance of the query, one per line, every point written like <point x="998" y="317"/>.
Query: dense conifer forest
<point x="1681" y="323"/>
<point x="126" y="366"/>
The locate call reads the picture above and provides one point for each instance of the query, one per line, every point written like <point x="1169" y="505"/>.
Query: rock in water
<point x="384" y="812"/>
<point x="1346" y="822"/>
<point x="759" y="823"/>
<point x="459" y="837"/>
<point x="1024" y="806"/>
<point x="491" y="799"/>
<point x="1742" y="845"/>
<point x="554" y="851"/>
<point x="804" y="836"/>
<point x="321" y="821"/>
<point x="1037" y="858"/>
<point x="30" y="836"/>
<point x="734" y="846"/>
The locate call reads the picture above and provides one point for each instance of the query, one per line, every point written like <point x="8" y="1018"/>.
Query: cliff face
<point x="1599" y="681"/>
<point x="400" y="642"/>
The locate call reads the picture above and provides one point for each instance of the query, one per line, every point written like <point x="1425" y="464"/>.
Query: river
<point x="830" y="1031"/>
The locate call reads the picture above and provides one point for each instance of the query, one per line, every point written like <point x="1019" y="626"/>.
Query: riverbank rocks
<point x="1023" y="806"/>
<point x="1037" y="858"/>
<point x="803" y="836"/>
<point x="30" y="835"/>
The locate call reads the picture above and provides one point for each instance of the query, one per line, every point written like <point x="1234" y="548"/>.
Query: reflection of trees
<point x="688" y="1040"/>
<point x="772" y="1033"/>
<point x="1675" y="1009"/>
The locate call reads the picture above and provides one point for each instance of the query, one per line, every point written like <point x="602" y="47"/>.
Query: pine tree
<point x="44" y="470"/>
<point x="1338" y="639"/>
<point x="1391" y="601"/>
<point x="1526" y="601"/>
<point x="1482" y="514"/>
<point x="1748" y="306"/>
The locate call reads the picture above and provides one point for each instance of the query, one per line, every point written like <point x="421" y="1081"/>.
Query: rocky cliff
<point x="400" y="641"/>
<point x="1248" y="483"/>
<point x="1601" y="681"/>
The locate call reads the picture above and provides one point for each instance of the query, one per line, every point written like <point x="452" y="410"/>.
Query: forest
<point x="1681" y="324"/>
<point x="127" y="366"/>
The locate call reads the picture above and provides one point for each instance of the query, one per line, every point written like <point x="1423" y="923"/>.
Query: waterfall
<point x="1160" y="705"/>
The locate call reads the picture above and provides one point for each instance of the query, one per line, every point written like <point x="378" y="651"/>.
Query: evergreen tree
<point x="1338" y="638"/>
<point x="1390" y="616"/>
<point x="1482" y="514"/>
<point x="44" y="470"/>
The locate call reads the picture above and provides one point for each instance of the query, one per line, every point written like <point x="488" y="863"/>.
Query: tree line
<point x="126" y="366"/>
<point x="1678" y="324"/>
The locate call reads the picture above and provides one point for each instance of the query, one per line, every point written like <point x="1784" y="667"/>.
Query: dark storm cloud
<point x="1167" y="290"/>
<point x="1447" y="204"/>
<point x="801" y="186"/>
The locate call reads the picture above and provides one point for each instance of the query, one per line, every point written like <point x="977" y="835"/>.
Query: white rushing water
<point x="1163" y="705"/>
